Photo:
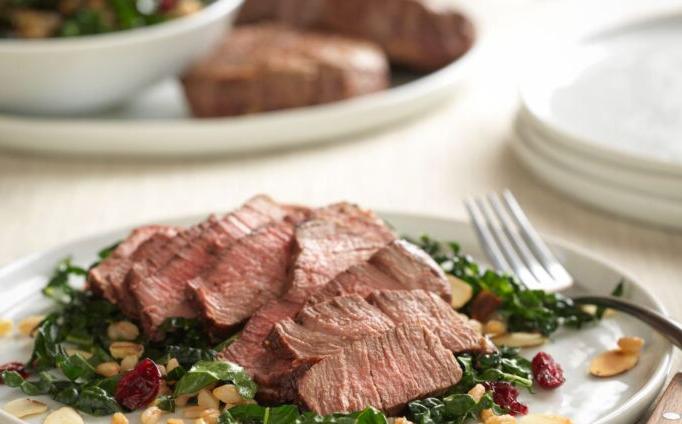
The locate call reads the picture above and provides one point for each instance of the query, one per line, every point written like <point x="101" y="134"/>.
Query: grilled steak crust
<point x="267" y="67"/>
<point x="335" y="238"/>
<point x="386" y="371"/>
<point x="324" y="328"/>
<point x="423" y="35"/>
<point x="398" y="266"/>
<point x="106" y="279"/>
<point x="161" y="293"/>
<point x="247" y="275"/>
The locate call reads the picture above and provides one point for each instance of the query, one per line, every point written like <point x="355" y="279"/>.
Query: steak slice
<point x="335" y="238"/>
<point x="106" y="278"/>
<point x="162" y="293"/>
<point x="247" y="275"/>
<point x="267" y="67"/>
<point x="386" y="371"/>
<point x="325" y="328"/>
<point x="398" y="266"/>
<point x="422" y="35"/>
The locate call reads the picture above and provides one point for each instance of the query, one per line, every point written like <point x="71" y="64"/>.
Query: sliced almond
<point x="24" y="407"/>
<point x="544" y="419"/>
<point x="461" y="292"/>
<point x="30" y="323"/>
<point x="65" y="415"/>
<point x="6" y="326"/>
<point x="119" y="418"/>
<point x="519" y="339"/>
<point x="120" y="350"/>
<point x="613" y="362"/>
<point x="631" y="344"/>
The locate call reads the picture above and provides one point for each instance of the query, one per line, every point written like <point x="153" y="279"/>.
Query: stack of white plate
<point x="602" y="121"/>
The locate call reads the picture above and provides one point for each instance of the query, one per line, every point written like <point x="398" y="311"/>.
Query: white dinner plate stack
<point x="602" y="121"/>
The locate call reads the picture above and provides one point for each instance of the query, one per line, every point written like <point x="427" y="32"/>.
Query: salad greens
<point x="289" y="414"/>
<point x="524" y="309"/>
<point x="205" y="373"/>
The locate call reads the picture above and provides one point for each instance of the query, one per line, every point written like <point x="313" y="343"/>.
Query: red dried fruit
<point x="484" y="306"/>
<point x="546" y="371"/>
<point x="139" y="386"/>
<point x="166" y="5"/>
<point x="13" y="366"/>
<point x="506" y="395"/>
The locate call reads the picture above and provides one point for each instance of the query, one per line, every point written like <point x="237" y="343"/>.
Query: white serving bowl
<point x="86" y="73"/>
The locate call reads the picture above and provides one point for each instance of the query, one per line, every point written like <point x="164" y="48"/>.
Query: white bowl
<point x="81" y="74"/>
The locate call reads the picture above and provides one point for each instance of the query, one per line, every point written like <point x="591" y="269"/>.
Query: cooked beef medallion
<point x="106" y="278"/>
<point x="326" y="327"/>
<point x="399" y="265"/>
<point x="267" y="67"/>
<point x="335" y="238"/>
<point x="247" y="275"/>
<point x="163" y="294"/>
<point x="420" y="34"/>
<point x="386" y="371"/>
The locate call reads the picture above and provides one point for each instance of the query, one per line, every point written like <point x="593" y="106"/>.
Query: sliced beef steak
<point x="399" y="265"/>
<point x="386" y="371"/>
<point x="106" y="278"/>
<point x="247" y="275"/>
<point x="326" y="327"/>
<point x="162" y="293"/>
<point x="335" y="238"/>
<point x="420" y="34"/>
<point x="266" y="67"/>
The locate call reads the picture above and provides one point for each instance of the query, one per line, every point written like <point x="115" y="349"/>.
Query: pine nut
<point x="500" y="419"/>
<point x="108" y="369"/>
<point x="172" y="364"/>
<point x="120" y="350"/>
<point x="174" y="421"/>
<point x="119" y="418"/>
<point x="151" y="415"/>
<point x="477" y="392"/>
<point x="122" y="330"/>
<point x="494" y="328"/>
<point x="228" y="393"/>
<point x="128" y="363"/>
<point x="207" y="400"/>
<point x="182" y="400"/>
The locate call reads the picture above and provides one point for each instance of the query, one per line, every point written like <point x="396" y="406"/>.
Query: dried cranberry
<point x="139" y="387"/>
<point x="547" y="372"/>
<point x="166" y="5"/>
<point x="13" y="366"/>
<point x="506" y="395"/>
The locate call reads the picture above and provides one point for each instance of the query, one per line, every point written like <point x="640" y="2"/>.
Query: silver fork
<point x="514" y="246"/>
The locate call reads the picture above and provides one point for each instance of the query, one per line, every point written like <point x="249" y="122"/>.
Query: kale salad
<point x="88" y="356"/>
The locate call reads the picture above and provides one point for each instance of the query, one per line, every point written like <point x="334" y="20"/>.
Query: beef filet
<point x="162" y="293"/>
<point x="335" y="238"/>
<point x="386" y="371"/>
<point x="247" y="275"/>
<point x="267" y="67"/>
<point x="325" y="328"/>
<point x="420" y="34"/>
<point x="107" y="277"/>
<point x="399" y="265"/>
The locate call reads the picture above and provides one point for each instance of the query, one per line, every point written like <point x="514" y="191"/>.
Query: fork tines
<point x="513" y="245"/>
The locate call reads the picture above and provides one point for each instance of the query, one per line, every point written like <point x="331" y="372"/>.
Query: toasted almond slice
<point x="24" y="407"/>
<point x="28" y="324"/>
<point x="65" y="415"/>
<point x="519" y="339"/>
<point x="631" y="344"/>
<point x="613" y="362"/>
<point x="461" y="292"/>
<point x="544" y="419"/>
<point x="6" y="326"/>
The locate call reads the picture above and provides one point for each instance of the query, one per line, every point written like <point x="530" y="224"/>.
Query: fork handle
<point x="669" y="407"/>
<point x="669" y="328"/>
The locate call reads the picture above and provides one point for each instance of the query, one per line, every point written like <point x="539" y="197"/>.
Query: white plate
<point x="648" y="183"/>
<point x="618" y="400"/>
<point x="616" y="96"/>
<point x="157" y="123"/>
<point x="593" y="191"/>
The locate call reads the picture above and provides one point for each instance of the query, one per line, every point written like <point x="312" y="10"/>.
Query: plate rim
<point x="210" y="134"/>
<point x="585" y="145"/>
<point x="649" y="390"/>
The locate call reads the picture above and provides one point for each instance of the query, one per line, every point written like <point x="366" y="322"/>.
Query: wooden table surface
<point x="426" y="165"/>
